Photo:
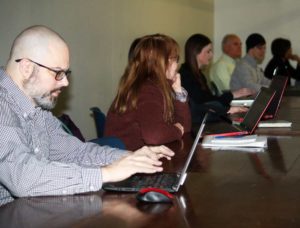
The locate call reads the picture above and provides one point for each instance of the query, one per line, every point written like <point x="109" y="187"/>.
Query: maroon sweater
<point x="145" y="124"/>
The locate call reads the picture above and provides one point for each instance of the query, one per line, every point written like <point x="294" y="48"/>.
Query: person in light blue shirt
<point x="247" y="73"/>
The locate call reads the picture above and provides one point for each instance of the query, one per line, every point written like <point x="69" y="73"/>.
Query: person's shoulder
<point x="149" y="88"/>
<point x="184" y="70"/>
<point x="243" y="63"/>
<point x="8" y="116"/>
<point x="149" y="85"/>
<point x="221" y="62"/>
<point x="149" y="92"/>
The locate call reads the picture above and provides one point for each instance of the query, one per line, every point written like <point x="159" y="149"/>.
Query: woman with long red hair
<point x="151" y="107"/>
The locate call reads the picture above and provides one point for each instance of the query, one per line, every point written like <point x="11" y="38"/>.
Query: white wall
<point x="271" y="18"/>
<point x="99" y="33"/>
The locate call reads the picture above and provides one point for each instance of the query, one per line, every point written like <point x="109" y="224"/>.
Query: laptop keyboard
<point x="163" y="180"/>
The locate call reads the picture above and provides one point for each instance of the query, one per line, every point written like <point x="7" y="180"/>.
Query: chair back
<point x="214" y="89"/>
<point x="70" y="127"/>
<point x="99" y="118"/>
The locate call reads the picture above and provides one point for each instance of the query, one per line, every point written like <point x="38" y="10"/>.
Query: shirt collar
<point x="250" y="60"/>
<point x="13" y="91"/>
<point x="227" y="58"/>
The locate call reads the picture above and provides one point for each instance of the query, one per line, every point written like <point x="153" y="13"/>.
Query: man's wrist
<point x="105" y="174"/>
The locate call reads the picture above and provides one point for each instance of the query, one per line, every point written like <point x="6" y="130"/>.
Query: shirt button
<point x="36" y="150"/>
<point x="92" y="187"/>
<point x="64" y="192"/>
<point x="25" y="115"/>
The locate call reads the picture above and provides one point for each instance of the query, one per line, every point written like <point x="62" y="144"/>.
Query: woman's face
<point x="288" y="53"/>
<point x="172" y="68"/>
<point x="204" y="57"/>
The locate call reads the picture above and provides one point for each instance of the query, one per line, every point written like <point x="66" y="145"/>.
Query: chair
<point x="99" y="118"/>
<point x="70" y="127"/>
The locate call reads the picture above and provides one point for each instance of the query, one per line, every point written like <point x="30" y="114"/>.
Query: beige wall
<point x="99" y="33"/>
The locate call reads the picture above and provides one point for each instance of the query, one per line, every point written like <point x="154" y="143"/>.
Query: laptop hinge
<point x="183" y="179"/>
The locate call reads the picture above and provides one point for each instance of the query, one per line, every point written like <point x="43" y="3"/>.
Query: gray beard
<point x="43" y="100"/>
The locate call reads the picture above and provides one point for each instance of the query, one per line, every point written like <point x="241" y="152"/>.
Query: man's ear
<point x="26" y="68"/>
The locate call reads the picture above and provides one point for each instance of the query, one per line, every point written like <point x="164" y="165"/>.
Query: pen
<point x="233" y="136"/>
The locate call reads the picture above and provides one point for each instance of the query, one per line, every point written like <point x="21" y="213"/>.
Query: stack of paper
<point x="240" y="149"/>
<point x="275" y="123"/>
<point x="237" y="141"/>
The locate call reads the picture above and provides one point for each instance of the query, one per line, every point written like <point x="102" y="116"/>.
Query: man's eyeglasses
<point x="59" y="74"/>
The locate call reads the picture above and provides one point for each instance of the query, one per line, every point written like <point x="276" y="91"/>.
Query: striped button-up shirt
<point x="37" y="157"/>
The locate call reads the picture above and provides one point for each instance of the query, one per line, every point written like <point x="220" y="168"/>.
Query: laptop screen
<point x="278" y="84"/>
<point x="192" y="151"/>
<point x="256" y="111"/>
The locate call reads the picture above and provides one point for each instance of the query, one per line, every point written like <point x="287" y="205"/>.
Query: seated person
<point x="247" y="73"/>
<point x="221" y="71"/>
<point x="151" y="107"/>
<point x="198" y="54"/>
<point x="280" y="63"/>
<point x="38" y="158"/>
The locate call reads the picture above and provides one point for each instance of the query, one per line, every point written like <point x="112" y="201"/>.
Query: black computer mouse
<point x="154" y="195"/>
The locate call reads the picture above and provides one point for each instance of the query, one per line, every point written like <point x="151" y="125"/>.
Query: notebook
<point x="278" y="84"/>
<point x="170" y="182"/>
<point x="250" y="121"/>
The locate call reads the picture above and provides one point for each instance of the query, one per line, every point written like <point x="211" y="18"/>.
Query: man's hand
<point x="176" y="85"/>
<point x="144" y="160"/>
<point x="237" y="109"/>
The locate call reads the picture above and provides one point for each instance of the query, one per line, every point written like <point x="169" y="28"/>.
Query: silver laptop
<point x="170" y="182"/>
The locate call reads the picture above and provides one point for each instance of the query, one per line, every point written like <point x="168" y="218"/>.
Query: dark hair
<point x="132" y="47"/>
<point x="280" y="46"/>
<point x="253" y="40"/>
<point x="193" y="47"/>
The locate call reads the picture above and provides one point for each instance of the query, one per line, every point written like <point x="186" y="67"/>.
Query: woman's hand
<point x="176" y="83"/>
<point x="295" y="58"/>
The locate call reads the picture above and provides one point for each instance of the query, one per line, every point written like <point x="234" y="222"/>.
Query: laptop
<point x="170" y="182"/>
<point x="250" y="121"/>
<point x="278" y="84"/>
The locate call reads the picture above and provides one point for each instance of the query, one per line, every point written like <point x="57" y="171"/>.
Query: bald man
<point x="221" y="71"/>
<point x="37" y="156"/>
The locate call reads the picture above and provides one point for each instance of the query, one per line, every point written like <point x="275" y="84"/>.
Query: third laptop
<point x="250" y="121"/>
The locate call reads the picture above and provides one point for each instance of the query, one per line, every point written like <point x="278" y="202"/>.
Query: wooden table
<point x="289" y="110"/>
<point x="223" y="189"/>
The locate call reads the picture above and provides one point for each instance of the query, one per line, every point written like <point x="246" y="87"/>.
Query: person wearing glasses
<point x="37" y="156"/>
<point x="247" y="73"/>
<point x="150" y="107"/>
